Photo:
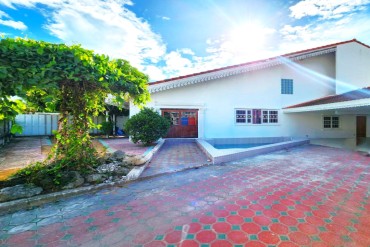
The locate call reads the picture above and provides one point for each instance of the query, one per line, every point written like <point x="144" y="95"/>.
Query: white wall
<point x="310" y="124"/>
<point x="353" y="67"/>
<point x="261" y="89"/>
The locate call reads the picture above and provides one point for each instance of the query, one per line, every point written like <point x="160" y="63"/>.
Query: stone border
<point x="28" y="203"/>
<point x="219" y="156"/>
<point x="147" y="156"/>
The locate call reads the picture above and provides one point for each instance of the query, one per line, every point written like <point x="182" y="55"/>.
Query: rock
<point x="46" y="182"/>
<point x="107" y="168"/>
<point x="96" y="178"/>
<point x="122" y="170"/>
<point x="19" y="191"/>
<point x="119" y="155"/>
<point x="72" y="179"/>
<point x="134" y="160"/>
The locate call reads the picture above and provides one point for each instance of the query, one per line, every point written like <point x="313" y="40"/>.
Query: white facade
<point x="352" y="67"/>
<point x="217" y="95"/>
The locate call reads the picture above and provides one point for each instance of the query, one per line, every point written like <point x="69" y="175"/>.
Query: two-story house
<point x="321" y="92"/>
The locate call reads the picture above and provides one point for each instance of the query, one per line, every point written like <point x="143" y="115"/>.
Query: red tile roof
<point x="262" y="60"/>
<point x="363" y="93"/>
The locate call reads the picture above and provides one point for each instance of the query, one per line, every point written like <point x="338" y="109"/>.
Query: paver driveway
<point x="306" y="196"/>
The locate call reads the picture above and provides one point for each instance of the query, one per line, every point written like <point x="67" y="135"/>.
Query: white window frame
<point x="272" y="116"/>
<point x="331" y="126"/>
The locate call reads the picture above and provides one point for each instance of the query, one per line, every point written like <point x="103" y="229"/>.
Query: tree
<point x="78" y="79"/>
<point x="147" y="126"/>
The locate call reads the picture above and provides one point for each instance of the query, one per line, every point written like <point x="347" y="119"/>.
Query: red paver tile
<point x="221" y="213"/>
<point x="221" y="243"/>
<point x="194" y="227"/>
<point x="287" y="220"/>
<point x="287" y="244"/>
<point x="299" y="238"/>
<point x="207" y="220"/>
<point x="222" y="227"/>
<point x="279" y="228"/>
<point x="246" y="213"/>
<point x="271" y="213"/>
<point x="262" y="220"/>
<point x="331" y="238"/>
<point x="235" y="219"/>
<point x="205" y="236"/>
<point x="255" y="244"/>
<point x="173" y="237"/>
<point x="307" y="228"/>
<point x="237" y="237"/>
<point x="251" y="228"/>
<point x="268" y="237"/>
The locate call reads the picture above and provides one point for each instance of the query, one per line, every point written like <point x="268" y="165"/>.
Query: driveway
<point x="306" y="196"/>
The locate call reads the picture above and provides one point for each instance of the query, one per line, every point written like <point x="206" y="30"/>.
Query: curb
<point x="29" y="203"/>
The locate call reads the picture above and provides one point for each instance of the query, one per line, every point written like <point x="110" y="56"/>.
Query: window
<point x="286" y="86"/>
<point x="240" y="116"/>
<point x="330" y="122"/>
<point x="174" y="117"/>
<point x="188" y="118"/>
<point x="256" y="116"/>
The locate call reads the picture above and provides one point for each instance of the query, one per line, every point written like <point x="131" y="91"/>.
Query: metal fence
<point x="40" y="124"/>
<point x="4" y="131"/>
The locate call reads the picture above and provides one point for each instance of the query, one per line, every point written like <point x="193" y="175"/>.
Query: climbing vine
<point x="74" y="80"/>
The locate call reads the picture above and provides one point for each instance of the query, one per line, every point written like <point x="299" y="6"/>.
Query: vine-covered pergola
<point x="77" y="79"/>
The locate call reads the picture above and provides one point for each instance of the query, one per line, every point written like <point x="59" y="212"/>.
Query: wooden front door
<point x="184" y="122"/>
<point x="360" y="128"/>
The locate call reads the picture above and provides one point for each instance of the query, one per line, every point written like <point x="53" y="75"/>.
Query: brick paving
<point x="21" y="151"/>
<point x="125" y="145"/>
<point x="306" y="196"/>
<point x="175" y="156"/>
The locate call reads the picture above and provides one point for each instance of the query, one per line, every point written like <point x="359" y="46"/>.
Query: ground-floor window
<point x="331" y="122"/>
<point x="256" y="116"/>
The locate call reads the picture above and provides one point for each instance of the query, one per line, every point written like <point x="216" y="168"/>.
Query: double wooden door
<point x="184" y="122"/>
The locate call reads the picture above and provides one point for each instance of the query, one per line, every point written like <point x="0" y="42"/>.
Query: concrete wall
<point x="310" y="124"/>
<point x="218" y="99"/>
<point x="352" y="63"/>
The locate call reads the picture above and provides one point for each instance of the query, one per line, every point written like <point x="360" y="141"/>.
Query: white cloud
<point x="14" y="24"/>
<point x="325" y="32"/>
<point x="166" y="18"/>
<point x="10" y="23"/>
<point x="109" y="27"/>
<point x="105" y="26"/>
<point x="326" y="9"/>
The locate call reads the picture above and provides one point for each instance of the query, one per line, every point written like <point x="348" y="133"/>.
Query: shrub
<point x="147" y="126"/>
<point x="107" y="128"/>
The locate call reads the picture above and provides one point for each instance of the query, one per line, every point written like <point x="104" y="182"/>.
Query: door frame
<point x="363" y="126"/>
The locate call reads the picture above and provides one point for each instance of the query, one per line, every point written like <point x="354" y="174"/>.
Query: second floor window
<point x="286" y="86"/>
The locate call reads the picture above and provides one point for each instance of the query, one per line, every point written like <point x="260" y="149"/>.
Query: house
<point x="321" y="92"/>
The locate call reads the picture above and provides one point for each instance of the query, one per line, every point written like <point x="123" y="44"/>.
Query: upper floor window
<point x="286" y="86"/>
<point x="331" y="122"/>
<point x="256" y="116"/>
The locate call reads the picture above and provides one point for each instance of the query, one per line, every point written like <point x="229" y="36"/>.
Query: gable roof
<point x="244" y="67"/>
<point x="363" y="93"/>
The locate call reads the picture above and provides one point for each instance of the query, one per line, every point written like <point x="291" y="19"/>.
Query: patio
<point x="305" y="196"/>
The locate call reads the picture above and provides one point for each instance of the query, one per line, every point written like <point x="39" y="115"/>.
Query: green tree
<point x="147" y="126"/>
<point x="77" y="79"/>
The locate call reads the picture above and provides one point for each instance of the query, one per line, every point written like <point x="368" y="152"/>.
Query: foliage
<point x="107" y="127"/>
<point x="147" y="126"/>
<point x="72" y="79"/>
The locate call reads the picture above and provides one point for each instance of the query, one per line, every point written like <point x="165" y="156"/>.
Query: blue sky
<point x="167" y="38"/>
